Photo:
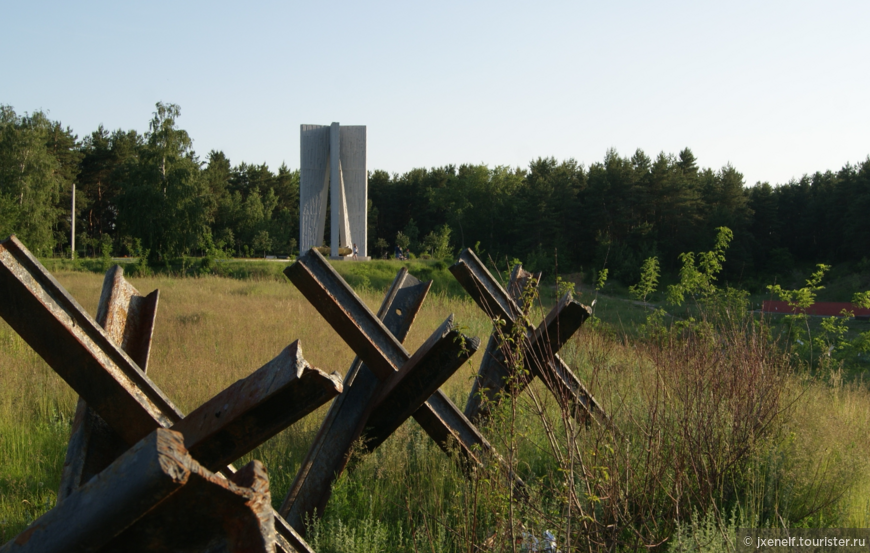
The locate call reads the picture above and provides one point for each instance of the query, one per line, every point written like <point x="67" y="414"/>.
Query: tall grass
<point x="709" y="428"/>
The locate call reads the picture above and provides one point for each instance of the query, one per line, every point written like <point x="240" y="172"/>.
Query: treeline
<point x="620" y="211"/>
<point x="151" y="192"/>
<point x="138" y="194"/>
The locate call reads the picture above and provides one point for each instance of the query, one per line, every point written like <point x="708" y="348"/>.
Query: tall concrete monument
<point x="334" y="160"/>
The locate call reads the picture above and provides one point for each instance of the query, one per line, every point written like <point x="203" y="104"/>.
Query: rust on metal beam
<point x="155" y="497"/>
<point x="327" y="456"/>
<point x="77" y="348"/>
<point x="38" y="308"/>
<point x="520" y="283"/>
<point x="406" y="391"/>
<point x="254" y="409"/>
<point x="128" y="319"/>
<point x="287" y="539"/>
<point x="541" y="344"/>
<point x="562" y="381"/>
<point x="489" y="382"/>
<point x="484" y="289"/>
<point x="540" y="359"/>
<point x="558" y="326"/>
<point x="402" y="303"/>
<point x="209" y="513"/>
<point x="453" y="432"/>
<point x="492" y="373"/>
<point x="127" y="316"/>
<point x="439" y="417"/>
<point x="324" y="288"/>
<point x="563" y="320"/>
<point x="352" y="319"/>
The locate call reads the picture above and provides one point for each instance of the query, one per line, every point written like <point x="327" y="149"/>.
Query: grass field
<point x="808" y="466"/>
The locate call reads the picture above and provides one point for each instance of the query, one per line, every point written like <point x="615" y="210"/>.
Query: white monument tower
<point x="333" y="159"/>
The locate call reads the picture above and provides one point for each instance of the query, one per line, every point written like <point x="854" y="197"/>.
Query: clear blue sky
<point x="778" y="89"/>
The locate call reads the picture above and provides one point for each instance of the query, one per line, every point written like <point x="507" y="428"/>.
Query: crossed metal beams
<point x="142" y="502"/>
<point x="105" y="376"/>
<point x="539" y="346"/>
<point x="385" y="385"/>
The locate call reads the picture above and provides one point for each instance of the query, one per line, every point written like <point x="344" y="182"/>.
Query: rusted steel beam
<point x="327" y="456"/>
<point x="128" y="319"/>
<point x="405" y="392"/>
<point x="561" y="323"/>
<point x="492" y="373"/>
<point x="34" y="297"/>
<point x="352" y="319"/>
<point x="540" y="345"/>
<point x="287" y="539"/>
<point x="209" y="513"/>
<point x="540" y="359"/>
<point x="53" y="323"/>
<point x="485" y="290"/>
<point x="77" y="348"/>
<point x="565" y="384"/>
<point x="449" y="428"/>
<point x="155" y="497"/>
<point x="254" y="409"/>
<point x="439" y="417"/>
<point x="563" y="320"/>
<point x="127" y="316"/>
<point x="489" y="382"/>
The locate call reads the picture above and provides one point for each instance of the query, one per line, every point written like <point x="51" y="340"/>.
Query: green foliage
<point x="382" y="246"/>
<point x="106" y="251"/>
<point x="698" y="277"/>
<point x="708" y="533"/>
<point x="262" y="242"/>
<point x="402" y="240"/>
<point x="649" y="279"/>
<point x="831" y="345"/>
<point x="564" y="287"/>
<point x="437" y="244"/>
<point x="141" y="267"/>
<point x="601" y="279"/>
<point x="862" y="299"/>
<point x="155" y="188"/>
<point x="412" y="232"/>
<point x="38" y="165"/>
<point x="802" y="298"/>
<point x="162" y="199"/>
<point x="369" y="536"/>
<point x="797" y="324"/>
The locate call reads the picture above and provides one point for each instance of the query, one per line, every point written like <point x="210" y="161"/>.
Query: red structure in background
<point x="824" y="309"/>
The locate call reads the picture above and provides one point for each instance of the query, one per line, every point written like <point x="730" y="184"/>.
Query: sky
<point x="776" y="89"/>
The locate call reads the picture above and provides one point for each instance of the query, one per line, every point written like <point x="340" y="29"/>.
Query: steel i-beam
<point x="156" y="497"/>
<point x="72" y="343"/>
<point x="540" y="345"/>
<point x="128" y="318"/>
<point x="382" y="352"/>
<point x="327" y="456"/>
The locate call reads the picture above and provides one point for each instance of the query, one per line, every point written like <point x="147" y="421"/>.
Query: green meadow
<point x="713" y="427"/>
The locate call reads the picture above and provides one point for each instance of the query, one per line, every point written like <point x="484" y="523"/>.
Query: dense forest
<point x="151" y="194"/>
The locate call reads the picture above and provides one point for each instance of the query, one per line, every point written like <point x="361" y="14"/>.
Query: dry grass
<point x="213" y="331"/>
<point x="210" y="332"/>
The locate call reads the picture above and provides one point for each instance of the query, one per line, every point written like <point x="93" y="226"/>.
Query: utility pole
<point x="72" y="218"/>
